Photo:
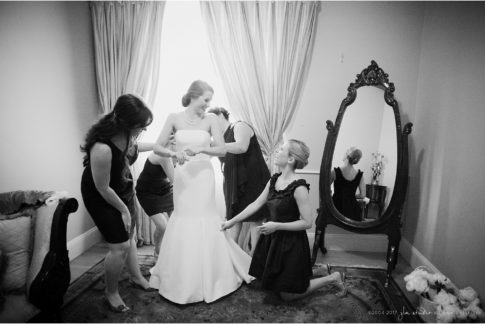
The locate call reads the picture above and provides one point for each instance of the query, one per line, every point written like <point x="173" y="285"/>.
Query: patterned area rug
<point x="367" y="301"/>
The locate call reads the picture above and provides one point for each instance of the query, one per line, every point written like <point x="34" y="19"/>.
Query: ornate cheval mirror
<point x="369" y="120"/>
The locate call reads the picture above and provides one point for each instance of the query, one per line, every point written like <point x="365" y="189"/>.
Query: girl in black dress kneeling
<point x="281" y="259"/>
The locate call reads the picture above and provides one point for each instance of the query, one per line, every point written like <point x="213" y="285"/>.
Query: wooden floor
<point x="338" y="258"/>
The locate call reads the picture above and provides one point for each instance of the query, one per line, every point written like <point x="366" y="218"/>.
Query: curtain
<point x="127" y="37"/>
<point x="262" y="53"/>
<point x="127" y="40"/>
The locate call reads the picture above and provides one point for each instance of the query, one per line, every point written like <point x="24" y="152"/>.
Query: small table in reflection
<point x="377" y="196"/>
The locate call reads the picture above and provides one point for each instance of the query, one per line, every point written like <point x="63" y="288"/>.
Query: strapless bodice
<point x="193" y="138"/>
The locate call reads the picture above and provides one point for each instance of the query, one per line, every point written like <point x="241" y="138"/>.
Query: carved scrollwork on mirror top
<point x="389" y="221"/>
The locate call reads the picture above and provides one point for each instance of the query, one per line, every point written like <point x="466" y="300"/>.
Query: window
<point x="185" y="57"/>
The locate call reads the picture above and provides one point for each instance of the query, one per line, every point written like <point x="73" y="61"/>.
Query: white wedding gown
<point x="197" y="261"/>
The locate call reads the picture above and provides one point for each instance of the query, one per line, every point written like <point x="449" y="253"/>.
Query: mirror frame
<point x="373" y="75"/>
<point x="390" y="222"/>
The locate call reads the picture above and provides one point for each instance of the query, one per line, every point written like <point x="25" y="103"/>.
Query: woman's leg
<point x="133" y="266"/>
<point x="113" y="264"/>
<point x="160" y="220"/>
<point x="334" y="278"/>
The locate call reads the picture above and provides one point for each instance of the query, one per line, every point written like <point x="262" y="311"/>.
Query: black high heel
<point x="117" y="309"/>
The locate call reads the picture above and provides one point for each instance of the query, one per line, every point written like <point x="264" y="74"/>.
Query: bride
<point x="197" y="262"/>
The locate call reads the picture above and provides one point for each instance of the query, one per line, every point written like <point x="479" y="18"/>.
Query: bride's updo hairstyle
<point x="300" y="152"/>
<point x="196" y="89"/>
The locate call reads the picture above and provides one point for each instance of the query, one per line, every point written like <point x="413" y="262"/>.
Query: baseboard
<point x="353" y="242"/>
<point x="414" y="257"/>
<point x="83" y="242"/>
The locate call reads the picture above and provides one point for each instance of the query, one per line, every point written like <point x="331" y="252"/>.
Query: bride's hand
<point x="191" y="151"/>
<point x="180" y="157"/>
<point x="226" y="225"/>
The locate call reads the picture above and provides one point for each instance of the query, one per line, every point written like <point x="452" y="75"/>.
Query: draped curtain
<point x="262" y="52"/>
<point x="127" y="37"/>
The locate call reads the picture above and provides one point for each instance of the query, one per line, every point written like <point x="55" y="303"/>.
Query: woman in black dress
<point x="155" y="194"/>
<point x="245" y="175"/>
<point x="107" y="189"/>
<point x="282" y="256"/>
<point x="346" y="179"/>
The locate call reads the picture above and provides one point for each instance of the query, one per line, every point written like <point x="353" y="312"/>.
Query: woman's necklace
<point x="191" y="121"/>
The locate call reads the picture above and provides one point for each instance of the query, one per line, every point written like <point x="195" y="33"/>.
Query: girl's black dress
<point x="344" y="195"/>
<point x="105" y="216"/>
<point x="281" y="260"/>
<point x="154" y="189"/>
<point x="245" y="176"/>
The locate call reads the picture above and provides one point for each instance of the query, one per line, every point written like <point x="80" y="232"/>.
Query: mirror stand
<point x="389" y="222"/>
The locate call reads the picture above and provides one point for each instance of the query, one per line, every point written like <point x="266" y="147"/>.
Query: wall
<point x="349" y="35"/>
<point x="49" y="98"/>
<point x="447" y="180"/>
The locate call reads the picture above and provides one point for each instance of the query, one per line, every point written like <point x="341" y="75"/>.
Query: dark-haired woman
<point x="346" y="179"/>
<point x="281" y="260"/>
<point x="107" y="189"/>
<point x="245" y="176"/>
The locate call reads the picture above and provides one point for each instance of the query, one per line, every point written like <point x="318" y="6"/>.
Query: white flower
<point x="444" y="298"/>
<point x="452" y="304"/>
<point x="467" y="295"/>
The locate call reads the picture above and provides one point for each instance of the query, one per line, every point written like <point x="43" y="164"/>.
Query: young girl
<point x="282" y="256"/>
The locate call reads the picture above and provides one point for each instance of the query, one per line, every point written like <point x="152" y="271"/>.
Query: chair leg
<point x="318" y="244"/>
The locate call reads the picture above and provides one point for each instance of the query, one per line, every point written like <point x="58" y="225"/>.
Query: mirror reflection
<point x="365" y="157"/>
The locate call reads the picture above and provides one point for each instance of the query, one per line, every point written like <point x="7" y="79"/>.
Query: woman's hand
<point x="126" y="218"/>
<point x="226" y="225"/>
<point x="180" y="157"/>
<point x="193" y="150"/>
<point x="268" y="228"/>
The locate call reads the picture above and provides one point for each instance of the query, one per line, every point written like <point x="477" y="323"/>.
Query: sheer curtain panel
<point x="262" y="51"/>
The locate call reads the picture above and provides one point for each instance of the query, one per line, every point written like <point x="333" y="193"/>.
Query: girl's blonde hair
<point x="300" y="153"/>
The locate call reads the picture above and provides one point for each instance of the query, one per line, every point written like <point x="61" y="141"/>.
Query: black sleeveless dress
<point x="344" y="195"/>
<point x="154" y="189"/>
<point x="281" y="260"/>
<point x="106" y="217"/>
<point x="245" y="176"/>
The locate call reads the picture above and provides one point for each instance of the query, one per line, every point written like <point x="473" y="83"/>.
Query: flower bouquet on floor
<point x="440" y="300"/>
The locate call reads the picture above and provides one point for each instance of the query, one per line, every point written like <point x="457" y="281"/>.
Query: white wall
<point x="349" y="35"/>
<point x="49" y="98"/>
<point x="445" y="212"/>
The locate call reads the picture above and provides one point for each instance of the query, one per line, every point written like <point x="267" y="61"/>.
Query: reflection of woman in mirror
<point x="346" y="179"/>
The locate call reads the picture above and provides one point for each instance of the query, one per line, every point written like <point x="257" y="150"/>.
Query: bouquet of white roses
<point x="452" y="304"/>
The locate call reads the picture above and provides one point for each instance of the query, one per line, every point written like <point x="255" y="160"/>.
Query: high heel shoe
<point x="117" y="309"/>
<point x="138" y="286"/>
<point x="343" y="286"/>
